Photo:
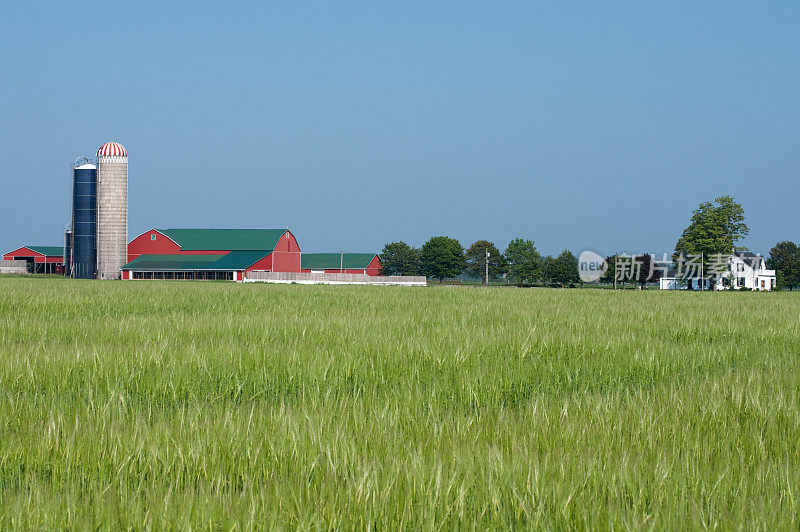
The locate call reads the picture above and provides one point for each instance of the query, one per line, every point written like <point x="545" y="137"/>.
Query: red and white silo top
<point x="112" y="149"/>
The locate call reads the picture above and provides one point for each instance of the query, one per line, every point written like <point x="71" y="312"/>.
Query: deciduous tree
<point x="547" y="270"/>
<point x="637" y="269"/>
<point x="398" y="258"/>
<point x="714" y="229"/>
<point x="524" y="263"/>
<point x="476" y="260"/>
<point x="646" y="270"/>
<point x="713" y="232"/>
<point x="784" y="258"/>
<point x="562" y="270"/>
<point x="611" y="271"/>
<point x="442" y="257"/>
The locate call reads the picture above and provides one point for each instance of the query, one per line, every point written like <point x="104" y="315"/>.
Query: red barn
<point x="40" y="259"/>
<point x="368" y="263"/>
<point x="210" y="253"/>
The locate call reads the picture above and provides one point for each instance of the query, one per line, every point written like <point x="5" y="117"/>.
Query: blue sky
<point x="574" y="124"/>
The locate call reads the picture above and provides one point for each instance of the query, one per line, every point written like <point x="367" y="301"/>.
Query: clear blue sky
<point x="575" y="124"/>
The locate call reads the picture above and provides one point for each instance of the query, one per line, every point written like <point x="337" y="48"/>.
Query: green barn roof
<point x="50" y="251"/>
<point x="239" y="260"/>
<point x="235" y="260"/>
<point x="225" y="239"/>
<point x="334" y="261"/>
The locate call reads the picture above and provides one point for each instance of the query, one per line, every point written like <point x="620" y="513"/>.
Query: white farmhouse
<point x="747" y="270"/>
<point x="744" y="270"/>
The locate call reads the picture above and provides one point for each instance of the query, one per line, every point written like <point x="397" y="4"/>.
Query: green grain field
<point x="230" y="406"/>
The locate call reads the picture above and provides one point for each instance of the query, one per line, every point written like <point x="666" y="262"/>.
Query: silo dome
<point x="112" y="149"/>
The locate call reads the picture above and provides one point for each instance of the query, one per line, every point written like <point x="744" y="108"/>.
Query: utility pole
<point x="615" y="269"/>
<point x="486" y="282"/>
<point x="341" y="263"/>
<point x="702" y="278"/>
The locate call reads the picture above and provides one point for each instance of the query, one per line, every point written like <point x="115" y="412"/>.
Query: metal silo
<point x="112" y="210"/>
<point x="84" y="219"/>
<point x="68" y="251"/>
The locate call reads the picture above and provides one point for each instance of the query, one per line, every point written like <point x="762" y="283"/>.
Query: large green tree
<point x="714" y="229"/>
<point x="523" y="261"/>
<point x="637" y="269"/>
<point x="784" y="258"/>
<point x="611" y="271"/>
<point x="712" y="235"/>
<point x="625" y="268"/>
<point x="398" y="258"/>
<point x="562" y="270"/>
<point x="547" y="270"/>
<point x="442" y="257"/>
<point x="646" y="270"/>
<point x="476" y="260"/>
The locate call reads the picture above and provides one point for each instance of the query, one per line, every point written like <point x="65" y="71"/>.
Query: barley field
<point x="230" y="406"/>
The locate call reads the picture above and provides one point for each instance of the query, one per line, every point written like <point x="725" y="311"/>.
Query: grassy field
<point x="222" y="405"/>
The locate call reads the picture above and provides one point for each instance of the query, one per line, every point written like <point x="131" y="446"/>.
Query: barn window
<point x="153" y="236"/>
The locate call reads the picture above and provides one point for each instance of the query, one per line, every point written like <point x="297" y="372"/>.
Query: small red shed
<point x="40" y="259"/>
<point x="368" y="263"/>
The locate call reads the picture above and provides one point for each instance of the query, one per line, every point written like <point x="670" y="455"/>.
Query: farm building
<point x="219" y="254"/>
<point x="367" y="263"/>
<point x="225" y="254"/>
<point x="744" y="270"/>
<point x="40" y="259"/>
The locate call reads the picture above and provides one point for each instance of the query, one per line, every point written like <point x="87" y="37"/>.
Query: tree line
<point x="443" y="257"/>
<point x="715" y="229"/>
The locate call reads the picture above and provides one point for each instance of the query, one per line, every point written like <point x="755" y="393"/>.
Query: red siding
<point x="144" y="245"/>
<point x="37" y="257"/>
<point x="286" y="257"/>
<point x="163" y="245"/>
<point x="286" y="261"/>
<point x="288" y="243"/>
<point x="263" y="264"/>
<point x="374" y="267"/>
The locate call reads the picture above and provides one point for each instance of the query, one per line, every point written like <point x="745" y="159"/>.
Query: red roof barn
<point x="41" y="259"/>
<point x="210" y="253"/>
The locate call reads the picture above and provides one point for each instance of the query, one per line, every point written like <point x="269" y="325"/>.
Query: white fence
<point x="334" y="278"/>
